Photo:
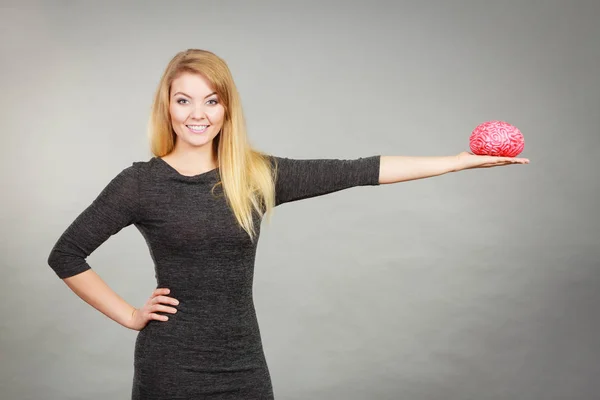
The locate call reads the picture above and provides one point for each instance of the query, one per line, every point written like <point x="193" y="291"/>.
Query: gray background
<point x="482" y="284"/>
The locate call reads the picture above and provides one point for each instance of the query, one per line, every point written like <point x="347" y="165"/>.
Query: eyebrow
<point x="191" y="96"/>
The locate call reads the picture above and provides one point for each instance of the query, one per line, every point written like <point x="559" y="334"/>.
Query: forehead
<point x="194" y="85"/>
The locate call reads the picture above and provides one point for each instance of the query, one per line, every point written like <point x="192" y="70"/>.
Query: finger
<point x="517" y="160"/>
<point x="160" y="307"/>
<point x="164" y="300"/>
<point x="160" y="291"/>
<point x="512" y="160"/>
<point x="490" y="165"/>
<point x="158" y="317"/>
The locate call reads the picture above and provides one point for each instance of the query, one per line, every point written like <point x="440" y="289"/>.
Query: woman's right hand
<point x="141" y="316"/>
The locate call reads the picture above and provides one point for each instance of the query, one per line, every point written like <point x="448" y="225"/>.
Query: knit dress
<point x="211" y="348"/>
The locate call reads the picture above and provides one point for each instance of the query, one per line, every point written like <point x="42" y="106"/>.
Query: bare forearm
<point x="402" y="168"/>
<point x="93" y="290"/>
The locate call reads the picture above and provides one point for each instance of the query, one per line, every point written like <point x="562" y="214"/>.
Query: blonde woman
<point x="199" y="203"/>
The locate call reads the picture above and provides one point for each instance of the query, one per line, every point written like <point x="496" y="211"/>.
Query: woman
<point x="199" y="203"/>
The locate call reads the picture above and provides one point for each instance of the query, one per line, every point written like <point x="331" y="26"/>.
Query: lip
<point x="197" y="132"/>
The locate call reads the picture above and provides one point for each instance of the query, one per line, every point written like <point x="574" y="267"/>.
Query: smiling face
<point x="196" y="112"/>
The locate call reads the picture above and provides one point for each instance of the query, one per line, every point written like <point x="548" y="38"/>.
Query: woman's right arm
<point x="116" y="207"/>
<point x="113" y="209"/>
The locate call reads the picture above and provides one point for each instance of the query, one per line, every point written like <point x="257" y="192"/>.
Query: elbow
<point x="66" y="266"/>
<point x="55" y="260"/>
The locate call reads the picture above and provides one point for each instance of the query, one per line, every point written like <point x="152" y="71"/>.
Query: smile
<point x="198" y="128"/>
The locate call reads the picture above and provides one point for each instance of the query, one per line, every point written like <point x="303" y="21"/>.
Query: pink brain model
<point x="496" y="138"/>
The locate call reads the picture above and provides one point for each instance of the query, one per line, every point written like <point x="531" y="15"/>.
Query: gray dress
<point x="211" y="348"/>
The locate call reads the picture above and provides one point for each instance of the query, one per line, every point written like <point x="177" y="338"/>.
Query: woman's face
<point x="196" y="112"/>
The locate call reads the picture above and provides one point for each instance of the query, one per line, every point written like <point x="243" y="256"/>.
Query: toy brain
<point x="496" y="138"/>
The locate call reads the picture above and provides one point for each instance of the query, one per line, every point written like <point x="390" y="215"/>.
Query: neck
<point x="193" y="160"/>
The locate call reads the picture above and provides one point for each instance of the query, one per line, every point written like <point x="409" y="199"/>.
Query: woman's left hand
<point x="470" y="161"/>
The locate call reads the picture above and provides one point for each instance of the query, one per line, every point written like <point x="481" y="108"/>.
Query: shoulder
<point x="130" y="175"/>
<point x="275" y="161"/>
<point x="142" y="169"/>
<point x="269" y="160"/>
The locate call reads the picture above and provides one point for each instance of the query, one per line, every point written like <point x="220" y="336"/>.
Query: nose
<point x="197" y="112"/>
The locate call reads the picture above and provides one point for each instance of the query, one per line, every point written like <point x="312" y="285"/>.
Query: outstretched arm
<point x="402" y="168"/>
<point x="303" y="179"/>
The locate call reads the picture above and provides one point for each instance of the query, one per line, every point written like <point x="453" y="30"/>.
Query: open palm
<point x="469" y="161"/>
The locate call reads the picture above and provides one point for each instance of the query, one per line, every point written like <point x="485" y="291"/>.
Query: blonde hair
<point x="247" y="176"/>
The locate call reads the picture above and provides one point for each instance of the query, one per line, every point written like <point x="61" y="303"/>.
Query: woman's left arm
<point x="403" y="168"/>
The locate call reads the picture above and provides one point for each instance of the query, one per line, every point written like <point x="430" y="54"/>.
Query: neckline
<point x="188" y="178"/>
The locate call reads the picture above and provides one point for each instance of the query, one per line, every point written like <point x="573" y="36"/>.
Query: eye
<point x="180" y="100"/>
<point x="215" y="101"/>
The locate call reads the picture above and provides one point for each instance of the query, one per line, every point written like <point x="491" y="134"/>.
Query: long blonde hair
<point x="246" y="174"/>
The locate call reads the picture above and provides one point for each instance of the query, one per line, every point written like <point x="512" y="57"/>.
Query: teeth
<point x="198" y="127"/>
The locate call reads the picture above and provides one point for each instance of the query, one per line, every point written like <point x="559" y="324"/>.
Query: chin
<point x="199" y="142"/>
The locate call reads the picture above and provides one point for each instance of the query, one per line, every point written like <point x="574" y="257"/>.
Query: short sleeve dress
<point x="211" y="348"/>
